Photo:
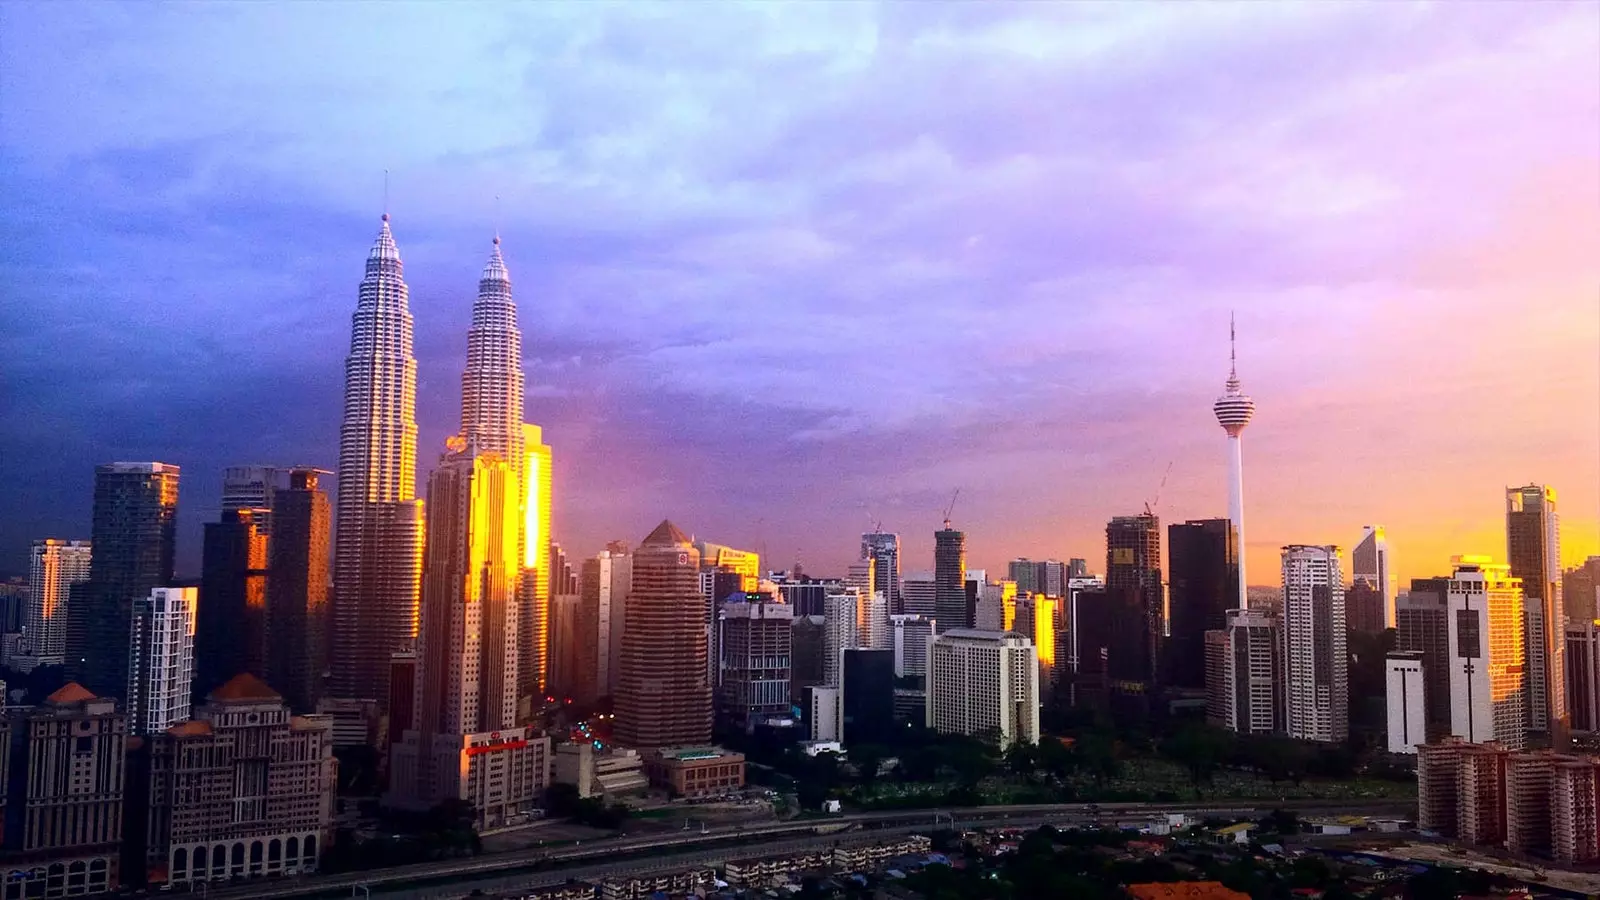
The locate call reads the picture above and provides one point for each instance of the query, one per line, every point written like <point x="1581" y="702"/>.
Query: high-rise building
<point x="919" y="594"/>
<point x="402" y="700"/>
<point x="1025" y="572"/>
<point x="253" y="488"/>
<point x="1583" y="675"/>
<point x="1234" y="410"/>
<point x="822" y="713"/>
<point x="1202" y="566"/>
<point x="1486" y="663"/>
<point x="805" y="593"/>
<point x="604" y="582"/>
<point x="1038" y="617"/>
<point x="866" y="696"/>
<point x="1405" y="691"/>
<point x="538" y="561"/>
<point x="1244" y="677"/>
<point x="378" y="536"/>
<point x="247" y="788"/>
<point x="1133" y="581"/>
<point x="1574" y="816"/>
<point x="1077" y="586"/>
<point x="1363" y="607"/>
<point x="883" y="549"/>
<point x="297" y="589"/>
<point x="807" y="655"/>
<point x="1372" y="566"/>
<point x="843" y="630"/>
<point x="1533" y="549"/>
<point x="231" y="623"/>
<point x="951" y="606"/>
<point x="572" y="663"/>
<point x="63" y="767"/>
<point x="1580" y="588"/>
<point x="134" y="539"/>
<point x="754" y="638"/>
<point x="1316" y="664"/>
<point x="911" y="637"/>
<point x="663" y="696"/>
<point x="984" y="683"/>
<point x="161" y="659"/>
<point x="54" y="568"/>
<point x="1421" y="625"/>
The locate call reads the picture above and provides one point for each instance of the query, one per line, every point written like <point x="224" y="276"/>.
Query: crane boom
<point x="951" y="508"/>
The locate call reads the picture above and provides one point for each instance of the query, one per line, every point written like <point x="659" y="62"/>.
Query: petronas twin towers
<point x="467" y="583"/>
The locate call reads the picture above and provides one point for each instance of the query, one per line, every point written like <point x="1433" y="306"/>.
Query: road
<point x="633" y="855"/>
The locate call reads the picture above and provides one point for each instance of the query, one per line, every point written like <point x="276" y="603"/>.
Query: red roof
<point x="1184" y="890"/>
<point x="71" y="692"/>
<point x="245" y="686"/>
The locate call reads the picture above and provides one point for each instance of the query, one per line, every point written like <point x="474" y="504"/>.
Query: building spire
<point x="1233" y="349"/>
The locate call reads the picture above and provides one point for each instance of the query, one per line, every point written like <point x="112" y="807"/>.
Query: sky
<point x="786" y="271"/>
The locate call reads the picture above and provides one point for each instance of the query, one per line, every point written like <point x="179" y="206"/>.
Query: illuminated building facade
<point x="1372" y="571"/>
<point x="1234" y="410"/>
<point x="134" y="538"/>
<point x="1485" y="657"/>
<point x="378" y="538"/>
<point x="984" y="682"/>
<point x="882" y="549"/>
<point x="663" y="696"/>
<point x="161" y="659"/>
<point x="1316" y="664"/>
<point x="534" y="590"/>
<point x="297" y="589"/>
<point x="231" y="625"/>
<point x="253" y="488"/>
<point x="1038" y="617"/>
<point x="951" y="606"/>
<point x="1533" y="550"/>
<point x="54" y="568"/>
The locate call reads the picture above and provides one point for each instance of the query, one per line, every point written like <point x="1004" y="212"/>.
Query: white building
<point x="1244" y="678"/>
<point x="53" y="568"/>
<point x="872" y="622"/>
<point x="911" y="637"/>
<point x="983" y="682"/>
<point x="823" y="713"/>
<point x="840" y="609"/>
<point x="1485" y="658"/>
<point x="1406" y="705"/>
<point x="919" y="595"/>
<point x="1234" y="409"/>
<point x="1370" y="562"/>
<point x="610" y="576"/>
<point x="1316" y="664"/>
<point x="161" y="659"/>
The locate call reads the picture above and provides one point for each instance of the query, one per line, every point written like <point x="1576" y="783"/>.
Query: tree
<point x="1281" y="821"/>
<point x="1022" y="758"/>
<point x="1199" y="749"/>
<point x="868" y="758"/>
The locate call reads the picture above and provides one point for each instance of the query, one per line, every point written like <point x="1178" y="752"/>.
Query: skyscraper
<point x="919" y="594"/>
<point x="161" y="659"/>
<point x="951" y="607"/>
<point x="379" y="522"/>
<point x="984" y="683"/>
<point x="663" y="696"/>
<point x="231" y="624"/>
<point x="1422" y="626"/>
<point x="841" y="614"/>
<point x="134" y="538"/>
<point x="883" y="549"/>
<point x="604" y="584"/>
<point x="1203" y="565"/>
<point x="755" y="635"/>
<point x="297" y="589"/>
<point x="54" y="567"/>
<point x="1244" y="673"/>
<point x="1370" y="562"/>
<point x="1580" y="590"/>
<point x="533" y="593"/>
<point x="1533" y="549"/>
<point x="1133" y="581"/>
<point x="1316" y="664"/>
<point x="1488" y="696"/>
<point x="253" y="487"/>
<point x="1234" y="410"/>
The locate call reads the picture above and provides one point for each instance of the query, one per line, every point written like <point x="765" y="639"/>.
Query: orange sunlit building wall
<point x="534" y="592"/>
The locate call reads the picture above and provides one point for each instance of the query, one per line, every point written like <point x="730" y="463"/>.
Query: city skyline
<point x="1094" y="343"/>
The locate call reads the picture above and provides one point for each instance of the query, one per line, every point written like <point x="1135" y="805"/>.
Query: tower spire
<point x="386" y="195"/>
<point x="1233" y="348"/>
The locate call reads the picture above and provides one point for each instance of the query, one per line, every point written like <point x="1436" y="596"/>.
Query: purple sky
<point x="788" y="267"/>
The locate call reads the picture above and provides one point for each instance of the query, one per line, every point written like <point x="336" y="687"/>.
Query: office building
<point x="402" y="700"/>
<point x="823" y="714"/>
<point x="754" y="641"/>
<point x="1038" y="618"/>
<point x="609" y="775"/>
<point x="1533" y="550"/>
<point x="231" y="623"/>
<point x="572" y="646"/>
<point x="1583" y="675"/>
<point x="134" y="539"/>
<point x="804" y="593"/>
<point x="539" y="573"/>
<point x="253" y="488"/>
<point x="1025" y="572"/>
<point x="1580" y="588"/>
<point x="248" y="788"/>
<point x="872" y="621"/>
<point x="62" y="765"/>
<point x="842" y="630"/>
<point x="56" y="569"/>
<point x="161" y="659"/>
<point x="1234" y="410"/>
<point x="883" y="551"/>
<point x="1487" y="690"/>
<point x="984" y="683"/>
<point x="1421" y="626"/>
<point x="911" y="637"/>
<point x="1405" y="702"/>
<point x="695" y="772"/>
<point x="1372" y="568"/>
<point x="866" y="696"/>
<point x="663" y="694"/>
<point x="297" y="589"/>
<point x="378" y="535"/>
<point x="1363" y="607"/>
<point x="1048" y="577"/>
<point x="1203" y="564"/>
<point x="919" y="594"/>
<point x="1244" y="678"/>
<point x="1075" y="587"/>
<point x="952" y="607"/>
<point x="604" y="583"/>
<point x="1316" y="666"/>
<point x="807" y="655"/>
<point x="1133" y="583"/>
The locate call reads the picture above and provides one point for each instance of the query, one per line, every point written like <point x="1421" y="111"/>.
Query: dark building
<point x="297" y="590"/>
<point x="134" y="538"/>
<point x="1203" y="565"/>
<point x="952" y="604"/>
<point x="230" y="632"/>
<point x="807" y="643"/>
<point x="805" y="594"/>
<point x="866" y="697"/>
<point x="1113" y="654"/>
<point x="663" y="696"/>
<point x="1533" y="549"/>
<point x="1363" y="607"/>
<point x="1133" y="582"/>
<point x="1421" y="627"/>
<point x="1583" y="675"/>
<point x="402" y="693"/>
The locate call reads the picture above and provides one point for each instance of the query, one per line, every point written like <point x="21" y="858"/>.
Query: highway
<point x="538" y="867"/>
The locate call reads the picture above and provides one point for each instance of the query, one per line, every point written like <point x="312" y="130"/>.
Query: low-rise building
<point x="356" y="723"/>
<point x="642" y="886"/>
<point x="693" y="772"/>
<point x="606" y="774"/>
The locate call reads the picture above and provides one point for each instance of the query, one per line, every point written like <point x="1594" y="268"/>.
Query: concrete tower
<point x="1234" y="410"/>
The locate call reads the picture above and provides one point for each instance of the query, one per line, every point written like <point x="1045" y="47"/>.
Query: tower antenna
<point x="1233" y="347"/>
<point x="386" y="195"/>
<point x="497" y="218"/>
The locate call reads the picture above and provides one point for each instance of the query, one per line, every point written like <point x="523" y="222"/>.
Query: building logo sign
<point x="683" y="559"/>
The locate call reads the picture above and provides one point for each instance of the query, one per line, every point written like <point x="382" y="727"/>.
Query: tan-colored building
<point x="63" y="831"/>
<point x="1574" y="813"/>
<point x="1480" y="791"/>
<point x="609" y="774"/>
<point x="696" y="771"/>
<point x="1438" y="765"/>
<point x="246" y="788"/>
<point x="663" y="693"/>
<point x="638" y="887"/>
<point x="1530" y="800"/>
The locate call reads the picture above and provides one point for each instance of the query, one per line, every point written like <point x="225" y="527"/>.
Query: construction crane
<point x="1151" y="506"/>
<point x="951" y="508"/>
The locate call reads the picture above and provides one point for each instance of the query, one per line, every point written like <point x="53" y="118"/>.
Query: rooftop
<point x="666" y="535"/>
<point x="69" y="693"/>
<point x="1184" y="890"/>
<point x="191" y="728"/>
<point x="244" y="687"/>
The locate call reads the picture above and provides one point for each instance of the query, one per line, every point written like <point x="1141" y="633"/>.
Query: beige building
<point x="63" y="832"/>
<point x="983" y="682"/>
<point x="696" y="771"/>
<point x="608" y="774"/>
<point x="1574" y="814"/>
<point x="246" y="789"/>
